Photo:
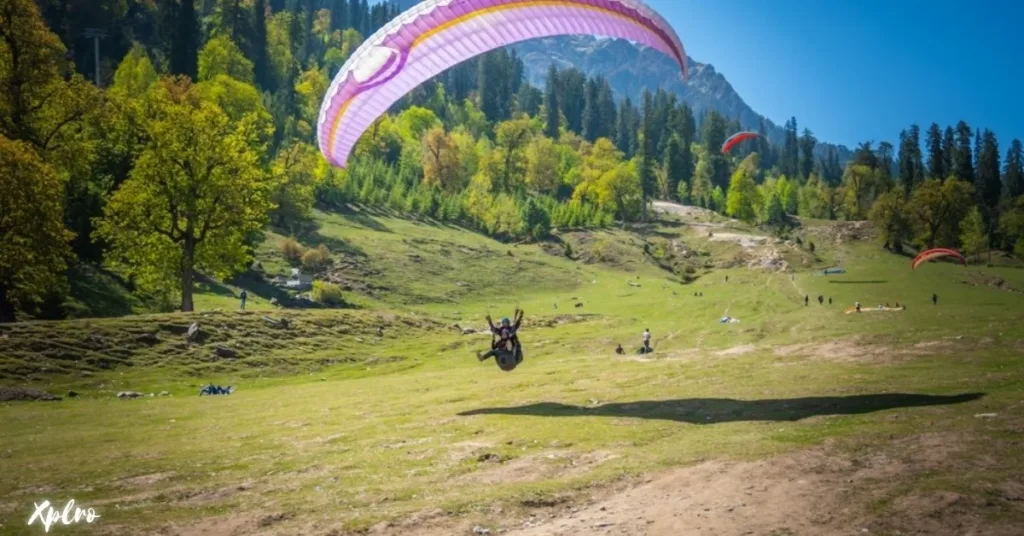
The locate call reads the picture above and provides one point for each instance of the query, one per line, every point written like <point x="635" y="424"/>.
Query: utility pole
<point x="96" y="34"/>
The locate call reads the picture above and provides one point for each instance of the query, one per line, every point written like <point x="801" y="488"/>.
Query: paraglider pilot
<point x="504" y="336"/>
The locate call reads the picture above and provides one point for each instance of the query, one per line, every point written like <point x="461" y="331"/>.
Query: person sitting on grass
<point x="504" y="337"/>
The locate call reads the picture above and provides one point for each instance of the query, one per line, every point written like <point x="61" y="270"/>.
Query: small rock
<point x="603" y="525"/>
<point x="481" y="530"/>
<point x="986" y="415"/>
<point x="164" y="393"/>
<point x="193" y="331"/>
<point x="72" y="394"/>
<point x="129" y="394"/>
<point x="224" y="351"/>
<point x="468" y="331"/>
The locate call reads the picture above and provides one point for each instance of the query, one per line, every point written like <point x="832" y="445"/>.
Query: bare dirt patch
<point x="736" y="350"/>
<point x="855" y="350"/>
<point x="541" y="466"/>
<point x="817" y="491"/>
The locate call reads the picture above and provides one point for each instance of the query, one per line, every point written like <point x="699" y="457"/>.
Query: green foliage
<point x="296" y="172"/>
<point x="221" y="56"/>
<point x="327" y="293"/>
<point x="973" y="235"/>
<point x="33" y="240"/>
<point x="195" y="192"/>
<point x="890" y="218"/>
<point x="935" y="208"/>
<point x="135" y="73"/>
<point x="744" y="198"/>
<point x="859" y="182"/>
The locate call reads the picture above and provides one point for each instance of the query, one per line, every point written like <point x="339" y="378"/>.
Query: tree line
<point x="203" y="135"/>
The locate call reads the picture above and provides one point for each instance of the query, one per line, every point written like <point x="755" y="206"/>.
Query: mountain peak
<point x="631" y="68"/>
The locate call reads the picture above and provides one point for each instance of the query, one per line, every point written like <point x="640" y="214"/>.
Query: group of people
<point x="821" y="300"/>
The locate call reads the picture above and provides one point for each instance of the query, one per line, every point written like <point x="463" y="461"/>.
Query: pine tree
<point x="977" y="147"/>
<point x="949" y="151"/>
<point x="261" y="63"/>
<point x="963" y="166"/>
<point x="988" y="183"/>
<point x="339" y="15"/>
<point x="553" y="116"/>
<point x="1013" y="170"/>
<point x="606" y="109"/>
<point x="674" y="164"/>
<point x="572" y="93"/>
<point x="936" y="158"/>
<point x="185" y="49"/>
<point x="790" y="165"/>
<point x="886" y="163"/>
<point x="625" y="129"/>
<point x="591" y="115"/>
<point x="648" y="181"/>
<point x="807" y="142"/>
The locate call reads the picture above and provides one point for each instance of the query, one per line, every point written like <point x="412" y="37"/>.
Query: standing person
<point x="821" y="299"/>
<point x="647" y="340"/>
<point x="935" y="299"/>
<point x="857" y="305"/>
<point x="242" y="297"/>
<point x="726" y="279"/>
<point x="830" y="300"/>
<point x="807" y="299"/>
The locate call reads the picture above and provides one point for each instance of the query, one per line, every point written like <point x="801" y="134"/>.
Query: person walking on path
<point x="242" y="297"/>
<point x="647" y="340"/>
<point x="935" y="299"/>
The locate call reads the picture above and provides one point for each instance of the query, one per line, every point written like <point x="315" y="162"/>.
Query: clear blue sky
<point x="861" y="70"/>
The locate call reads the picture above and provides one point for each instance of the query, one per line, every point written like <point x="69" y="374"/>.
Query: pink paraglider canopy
<point x="437" y="34"/>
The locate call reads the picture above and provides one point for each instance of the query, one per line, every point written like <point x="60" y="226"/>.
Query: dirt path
<point x="814" y="492"/>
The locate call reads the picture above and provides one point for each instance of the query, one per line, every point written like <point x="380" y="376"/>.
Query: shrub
<point x="316" y="259"/>
<point x="327" y="293"/>
<point x="292" y="250"/>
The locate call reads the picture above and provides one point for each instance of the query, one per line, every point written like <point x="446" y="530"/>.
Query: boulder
<point x="129" y="394"/>
<point x="225" y="352"/>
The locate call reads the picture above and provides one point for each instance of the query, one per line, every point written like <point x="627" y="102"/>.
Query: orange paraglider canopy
<point x="736" y="138"/>
<point x="930" y="254"/>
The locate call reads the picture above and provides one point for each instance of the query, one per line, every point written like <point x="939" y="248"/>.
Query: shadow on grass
<point x="719" y="410"/>
<point x="864" y="282"/>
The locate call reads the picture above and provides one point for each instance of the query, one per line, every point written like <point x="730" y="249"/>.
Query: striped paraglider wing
<point x="934" y="253"/>
<point x="437" y="34"/>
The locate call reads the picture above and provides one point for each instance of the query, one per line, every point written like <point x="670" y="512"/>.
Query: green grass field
<point x="334" y="430"/>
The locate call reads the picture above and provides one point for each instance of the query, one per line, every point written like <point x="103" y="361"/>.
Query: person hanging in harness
<point x="504" y="337"/>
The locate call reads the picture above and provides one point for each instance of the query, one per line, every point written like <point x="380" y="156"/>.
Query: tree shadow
<point x="364" y="217"/>
<point x="863" y="282"/>
<point x="719" y="410"/>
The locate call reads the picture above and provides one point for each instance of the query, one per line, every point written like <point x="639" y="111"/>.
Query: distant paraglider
<point x="437" y="34"/>
<point x="737" y="138"/>
<point x="930" y="254"/>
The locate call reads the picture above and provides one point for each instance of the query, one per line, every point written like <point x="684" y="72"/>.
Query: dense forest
<point x="159" y="139"/>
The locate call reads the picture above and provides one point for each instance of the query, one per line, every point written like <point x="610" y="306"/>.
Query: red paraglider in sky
<point x="736" y="138"/>
<point x="930" y="254"/>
